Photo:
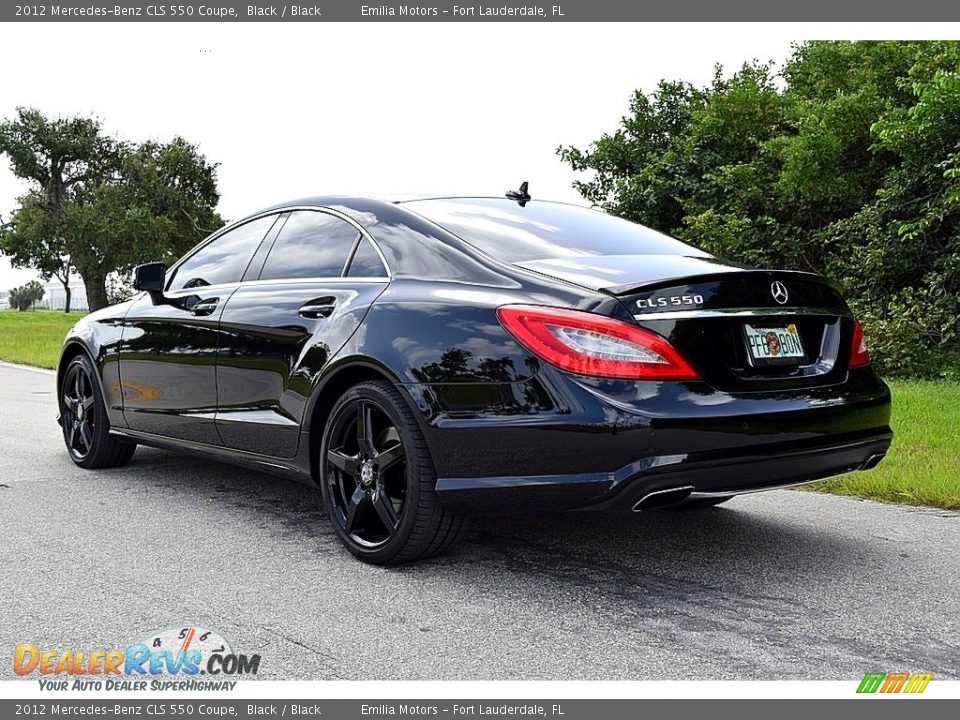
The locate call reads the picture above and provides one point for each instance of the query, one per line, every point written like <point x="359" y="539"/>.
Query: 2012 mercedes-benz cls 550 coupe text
<point x="428" y="359"/>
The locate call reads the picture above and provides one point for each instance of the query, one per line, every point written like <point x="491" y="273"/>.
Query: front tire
<point x="83" y="418"/>
<point x="377" y="479"/>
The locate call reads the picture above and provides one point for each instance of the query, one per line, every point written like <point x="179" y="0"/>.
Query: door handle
<point x="205" y="307"/>
<point x="320" y="308"/>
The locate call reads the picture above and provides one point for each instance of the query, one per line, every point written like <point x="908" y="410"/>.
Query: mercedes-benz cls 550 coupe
<point x="424" y="360"/>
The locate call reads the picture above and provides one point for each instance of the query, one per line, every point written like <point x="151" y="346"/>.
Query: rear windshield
<point x="543" y="230"/>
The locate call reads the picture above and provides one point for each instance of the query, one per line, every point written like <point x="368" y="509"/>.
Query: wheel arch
<point x="71" y="349"/>
<point x="349" y="372"/>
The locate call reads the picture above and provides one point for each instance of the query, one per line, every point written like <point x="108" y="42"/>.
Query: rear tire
<point x="377" y="479"/>
<point x="83" y="419"/>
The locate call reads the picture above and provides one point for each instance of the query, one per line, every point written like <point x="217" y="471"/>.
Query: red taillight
<point x="859" y="354"/>
<point x="596" y="345"/>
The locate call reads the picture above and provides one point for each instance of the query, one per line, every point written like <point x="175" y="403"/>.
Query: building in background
<point x="54" y="298"/>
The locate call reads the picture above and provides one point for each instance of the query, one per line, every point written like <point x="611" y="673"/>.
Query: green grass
<point x="923" y="465"/>
<point x="922" y="468"/>
<point x="34" y="337"/>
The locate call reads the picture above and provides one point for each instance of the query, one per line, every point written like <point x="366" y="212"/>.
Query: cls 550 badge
<point x="655" y="303"/>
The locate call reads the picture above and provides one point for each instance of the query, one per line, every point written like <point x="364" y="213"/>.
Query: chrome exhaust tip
<point x="872" y="461"/>
<point x="663" y="498"/>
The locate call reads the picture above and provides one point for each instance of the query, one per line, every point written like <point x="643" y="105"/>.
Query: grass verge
<point x="923" y="465"/>
<point x="34" y="337"/>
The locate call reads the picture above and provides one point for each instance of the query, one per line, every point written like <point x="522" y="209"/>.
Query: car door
<point x="277" y="332"/>
<point x="168" y="349"/>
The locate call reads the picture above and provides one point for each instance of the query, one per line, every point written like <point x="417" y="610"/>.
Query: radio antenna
<point x="521" y="196"/>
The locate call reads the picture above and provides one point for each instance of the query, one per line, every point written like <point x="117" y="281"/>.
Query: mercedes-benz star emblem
<point x="779" y="292"/>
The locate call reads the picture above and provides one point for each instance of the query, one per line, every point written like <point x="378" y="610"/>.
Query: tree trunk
<point x="64" y="277"/>
<point x="96" y="286"/>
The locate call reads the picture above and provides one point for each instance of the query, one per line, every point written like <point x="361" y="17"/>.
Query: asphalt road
<point x="783" y="585"/>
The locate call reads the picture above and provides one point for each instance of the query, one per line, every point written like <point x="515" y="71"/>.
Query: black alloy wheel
<point x="377" y="479"/>
<point x="83" y="419"/>
<point x="78" y="414"/>
<point x="368" y="478"/>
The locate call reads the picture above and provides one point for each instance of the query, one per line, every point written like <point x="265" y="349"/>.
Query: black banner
<point x="556" y="11"/>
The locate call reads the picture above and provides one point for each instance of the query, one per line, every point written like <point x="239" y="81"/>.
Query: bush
<point x="913" y="335"/>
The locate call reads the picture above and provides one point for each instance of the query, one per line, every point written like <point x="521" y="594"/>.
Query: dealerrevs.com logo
<point x="183" y="657"/>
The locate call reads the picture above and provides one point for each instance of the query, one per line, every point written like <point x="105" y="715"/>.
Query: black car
<point x="428" y="359"/>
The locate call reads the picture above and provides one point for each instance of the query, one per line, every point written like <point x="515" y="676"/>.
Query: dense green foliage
<point x="23" y="297"/>
<point x="845" y="162"/>
<point x="99" y="205"/>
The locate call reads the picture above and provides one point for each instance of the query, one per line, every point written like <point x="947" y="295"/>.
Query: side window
<point x="366" y="262"/>
<point x="224" y="259"/>
<point x="311" y="245"/>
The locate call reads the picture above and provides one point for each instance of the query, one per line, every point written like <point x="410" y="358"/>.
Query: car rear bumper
<point x="606" y="445"/>
<point x="664" y="480"/>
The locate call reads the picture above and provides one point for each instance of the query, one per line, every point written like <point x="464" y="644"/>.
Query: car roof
<point x="358" y="202"/>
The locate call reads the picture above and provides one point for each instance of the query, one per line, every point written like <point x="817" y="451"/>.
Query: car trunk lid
<point x="742" y="329"/>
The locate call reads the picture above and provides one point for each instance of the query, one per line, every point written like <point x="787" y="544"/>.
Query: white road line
<point x="28" y="368"/>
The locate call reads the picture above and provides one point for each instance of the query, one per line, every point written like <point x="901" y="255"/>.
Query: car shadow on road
<point x="709" y="543"/>
<point x="729" y="541"/>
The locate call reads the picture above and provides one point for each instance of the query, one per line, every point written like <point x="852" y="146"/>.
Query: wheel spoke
<point x="78" y="385"/>
<point x="385" y="511"/>
<point x="353" y="508"/>
<point x="86" y="435"/>
<point x="67" y="401"/>
<point x="88" y="403"/>
<point x="342" y="461"/>
<point x="389" y="457"/>
<point x="365" y="428"/>
<point x="72" y="442"/>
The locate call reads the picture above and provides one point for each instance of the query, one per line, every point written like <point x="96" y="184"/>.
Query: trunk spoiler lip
<point x="745" y="312"/>
<point x="768" y="273"/>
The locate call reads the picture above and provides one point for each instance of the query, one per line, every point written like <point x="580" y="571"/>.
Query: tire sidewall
<point x="100" y="413"/>
<point x="390" y="549"/>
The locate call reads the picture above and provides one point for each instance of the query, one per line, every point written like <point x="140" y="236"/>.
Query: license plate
<point x="774" y="345"/>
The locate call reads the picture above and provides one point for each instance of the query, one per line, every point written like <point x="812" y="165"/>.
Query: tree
<point x="33" y="238"/>
<point x="23" y="297"/>
<point x="845" y="162"/>
<point x="56" y="155"/>
<point x="160" y="204"/>
<point x="101" y="205"/>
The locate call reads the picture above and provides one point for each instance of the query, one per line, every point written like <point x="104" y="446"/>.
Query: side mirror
<point x="150" y="278"/>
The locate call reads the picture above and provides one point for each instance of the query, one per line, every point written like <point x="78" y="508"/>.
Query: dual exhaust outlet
<point x="663" y="498"/>
<point x="675" y="495"/>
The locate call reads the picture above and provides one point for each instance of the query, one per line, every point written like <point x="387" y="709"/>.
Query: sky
<point x="370" y="108"/>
